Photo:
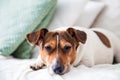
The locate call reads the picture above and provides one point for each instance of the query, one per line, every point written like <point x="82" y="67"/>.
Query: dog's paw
<point x="36" y="66"/>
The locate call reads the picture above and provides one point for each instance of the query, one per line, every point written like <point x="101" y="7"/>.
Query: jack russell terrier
<point x="66" y="46"/>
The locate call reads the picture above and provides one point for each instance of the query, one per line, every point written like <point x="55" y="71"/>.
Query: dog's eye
<point x="67" y="48"/>
<point x="48" y="48"/>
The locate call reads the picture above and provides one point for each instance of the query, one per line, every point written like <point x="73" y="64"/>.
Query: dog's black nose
<point x="58" y="69"/>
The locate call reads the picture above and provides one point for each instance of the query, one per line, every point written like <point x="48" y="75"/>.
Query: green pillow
<point x="23" y="51"/>
<point x="19" y="17"/>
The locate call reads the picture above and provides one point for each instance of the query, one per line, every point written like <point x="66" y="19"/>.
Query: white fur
<point x="54" y="61"/>
<point x="94" y="51"/>
<point x="57" y="38"/>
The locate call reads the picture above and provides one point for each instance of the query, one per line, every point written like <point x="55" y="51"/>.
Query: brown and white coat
<point x="66" y="46"/>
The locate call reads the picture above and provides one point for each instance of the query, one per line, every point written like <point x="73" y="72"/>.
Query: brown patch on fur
<point x="71" y="54"/>
<point x="103" y="38"/>
<point x="35" y="37"/>
<point x="80" y="36"/>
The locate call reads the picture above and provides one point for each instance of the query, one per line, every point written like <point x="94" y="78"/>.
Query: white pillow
<point x="110" y="17"/>
<point x="89" y="14"/>
<point x="67" y="12"/>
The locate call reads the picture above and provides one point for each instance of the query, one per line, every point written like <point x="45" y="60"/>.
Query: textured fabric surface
<point x="15" y="69"/>
<point x="23" y="51"/>
<point x="17" y="18"/>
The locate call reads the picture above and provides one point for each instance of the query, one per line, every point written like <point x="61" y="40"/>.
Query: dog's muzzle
<point x="58" y="69"/>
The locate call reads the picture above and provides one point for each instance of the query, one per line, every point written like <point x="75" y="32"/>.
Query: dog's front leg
<point x="38" y="64"/>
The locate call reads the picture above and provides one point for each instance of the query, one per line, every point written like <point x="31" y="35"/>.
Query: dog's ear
<point x="79" y="36"/>
<point x="35" y="37"/>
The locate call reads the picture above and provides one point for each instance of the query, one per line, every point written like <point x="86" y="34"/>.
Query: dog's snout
<point x="58" y="69"/>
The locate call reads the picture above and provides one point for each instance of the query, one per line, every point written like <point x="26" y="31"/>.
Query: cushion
<point x="89" y="14"/>
<point x="109" y="17"/>
<point x="67" y="12"/>
<point x="17" y="18"/>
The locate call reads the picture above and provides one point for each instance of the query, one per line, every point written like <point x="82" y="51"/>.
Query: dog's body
<point x="98" y="51"/>
<point x="75" y="46"/>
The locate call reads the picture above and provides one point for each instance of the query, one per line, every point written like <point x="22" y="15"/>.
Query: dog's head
<point x="58" y="48"/>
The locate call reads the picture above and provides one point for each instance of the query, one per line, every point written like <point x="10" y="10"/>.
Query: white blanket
<point x="14" y="69"/>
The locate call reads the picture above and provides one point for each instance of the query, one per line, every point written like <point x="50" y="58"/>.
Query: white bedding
<point x="14" y="69"/>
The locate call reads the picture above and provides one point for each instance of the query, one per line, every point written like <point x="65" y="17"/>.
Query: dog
<point x="72" y="46"/>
